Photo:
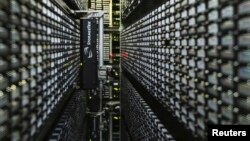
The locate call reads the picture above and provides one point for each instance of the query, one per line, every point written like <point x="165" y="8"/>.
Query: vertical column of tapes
<point x="4" y="66"/>
<point x="226" y="54"/>
<point x="243" y="60"/>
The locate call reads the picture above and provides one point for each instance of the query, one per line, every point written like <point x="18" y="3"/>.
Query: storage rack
<point x="193" y="58"/>
<point x="103" y="5"/>
<point x="132" y="10"/>
<point x="76" y="4"/>
<point x="114" y="60"/>
<point x="141" y="121"/>
<point x="71" y="125"/>
<point x="39" y="46"/>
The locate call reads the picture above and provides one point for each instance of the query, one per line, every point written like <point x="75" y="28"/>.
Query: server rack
<point x="192" y="57"/>
<point x="141" y="121"/>
<point x="72" y="123"/>
<point x="39" y="64"/>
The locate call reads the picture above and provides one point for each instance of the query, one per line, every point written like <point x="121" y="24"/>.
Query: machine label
<point x="88" y="71"/>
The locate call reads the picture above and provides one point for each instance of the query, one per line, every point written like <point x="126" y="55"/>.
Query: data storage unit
<point x="39" y="64"/>
<point x="70" y="126"/>
<point x="142" y="122"/>
<point x="192" y="57"/>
